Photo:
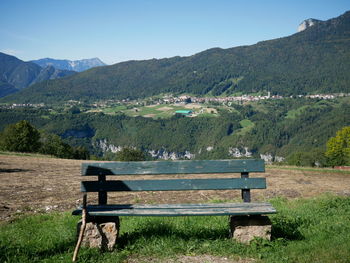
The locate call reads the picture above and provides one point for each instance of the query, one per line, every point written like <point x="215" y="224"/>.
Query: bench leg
<point x="101" y="232"/>
<point x="245" y="228"/>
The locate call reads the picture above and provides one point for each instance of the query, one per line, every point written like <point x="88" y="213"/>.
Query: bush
<point x="311" y="158"/>
<point x="129" y="154"/>
<point x="81" y="153"/>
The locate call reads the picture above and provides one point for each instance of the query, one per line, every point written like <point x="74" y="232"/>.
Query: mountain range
<point x="74" y="65"/>
<point x="315" y="60"/>
<point x="16" y="74"/>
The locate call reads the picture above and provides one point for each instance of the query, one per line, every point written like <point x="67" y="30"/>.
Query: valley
<point x="272" y="129"/>
<point x="280" y="100"/>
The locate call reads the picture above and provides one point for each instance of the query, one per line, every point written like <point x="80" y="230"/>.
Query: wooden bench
<point x="102" y="186"/>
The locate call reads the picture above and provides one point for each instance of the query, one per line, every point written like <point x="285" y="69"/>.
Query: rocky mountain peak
<point x="307" y="23"/>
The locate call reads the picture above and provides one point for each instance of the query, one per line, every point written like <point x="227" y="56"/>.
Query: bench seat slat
<point x="180" y="209"/>
<point x="173" y="167"/>
<point x="174" y="184"/>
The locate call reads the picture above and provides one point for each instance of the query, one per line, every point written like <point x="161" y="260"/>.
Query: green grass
<point x="114" y="109"/>
<point x="292" y="114"/>
<point x="247" y="125"/>
<point x="305" y="230"/>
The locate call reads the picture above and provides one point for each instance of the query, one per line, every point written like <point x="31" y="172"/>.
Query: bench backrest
<point x="102" y="186"/>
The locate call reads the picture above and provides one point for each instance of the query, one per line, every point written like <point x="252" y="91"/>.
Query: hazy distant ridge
<point x="16" y="74"/>
<point x="75" y="65"/>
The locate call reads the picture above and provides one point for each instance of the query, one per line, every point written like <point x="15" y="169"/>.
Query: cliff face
<point x="307" y="23"/>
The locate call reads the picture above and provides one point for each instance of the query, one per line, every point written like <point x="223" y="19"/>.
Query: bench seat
<point x="212" y="209"/>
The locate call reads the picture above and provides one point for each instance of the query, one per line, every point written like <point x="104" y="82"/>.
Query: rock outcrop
<point x="307" y="23"/>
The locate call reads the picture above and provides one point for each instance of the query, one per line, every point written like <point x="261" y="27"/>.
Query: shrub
<point x="311" y="158"/>
<point x="129" y="154"/>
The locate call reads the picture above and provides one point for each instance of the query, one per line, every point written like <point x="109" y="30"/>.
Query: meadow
<point x="304" y="230"/>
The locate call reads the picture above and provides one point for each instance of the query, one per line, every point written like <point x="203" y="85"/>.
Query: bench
<point x="104" y="212"/>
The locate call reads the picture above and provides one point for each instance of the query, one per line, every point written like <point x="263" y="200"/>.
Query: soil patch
<point x="149" y="115"/>
<point x="165" y="108"/>
<point x="193" y="106"/>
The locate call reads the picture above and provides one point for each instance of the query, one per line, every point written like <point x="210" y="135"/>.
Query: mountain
<point x="307" y="23"/>
<point x="76" y="65"/>
<point x="315" y="60"/>
<point x="16" y="74"/>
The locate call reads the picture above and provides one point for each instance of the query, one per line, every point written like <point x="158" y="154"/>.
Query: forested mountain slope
<point x="316" y="60"/>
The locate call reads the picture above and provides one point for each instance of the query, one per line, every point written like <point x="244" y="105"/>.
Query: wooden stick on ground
<point x="82" y="230"/>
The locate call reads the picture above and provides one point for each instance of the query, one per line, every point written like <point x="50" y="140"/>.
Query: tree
<point x="20" y="137"/>
<point x="338" y="148"/>
<point x="52" y="144"/>
<point x="129" y="154"/>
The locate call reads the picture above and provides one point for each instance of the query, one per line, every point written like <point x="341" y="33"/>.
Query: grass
<point x="292" y="114"/>
<point x="305" y="230"/>
<point x="247" y="125"/>
<point x="114" y="109"/>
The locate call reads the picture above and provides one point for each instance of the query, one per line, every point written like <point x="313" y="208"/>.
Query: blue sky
<point x="116" y="30"/>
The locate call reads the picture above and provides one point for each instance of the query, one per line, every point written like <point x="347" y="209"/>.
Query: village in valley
<point x="165" y="106"/>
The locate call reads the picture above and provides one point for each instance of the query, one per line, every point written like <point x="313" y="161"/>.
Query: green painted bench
<point x="100" y="223"/>
<point x="244" y="183"/>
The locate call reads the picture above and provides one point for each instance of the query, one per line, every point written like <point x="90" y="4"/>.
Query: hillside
<point x="272" y="128"/>
<point x="16" y="74"/>
<point x="316" y="60"/>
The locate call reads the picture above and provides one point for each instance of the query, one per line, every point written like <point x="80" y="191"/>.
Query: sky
<point x="121" y="30"/>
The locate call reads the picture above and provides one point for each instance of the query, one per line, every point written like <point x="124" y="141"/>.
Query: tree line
<point x="24" y="137"/>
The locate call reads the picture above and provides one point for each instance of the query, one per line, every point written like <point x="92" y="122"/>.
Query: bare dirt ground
<point x="165" y="108"/>
<point x="193" y="106"/>
<point x="36" y="184"/>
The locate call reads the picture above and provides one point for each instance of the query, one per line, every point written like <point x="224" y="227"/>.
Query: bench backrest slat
<point x="173" y="167"/>
<point x="174" y="184"/>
